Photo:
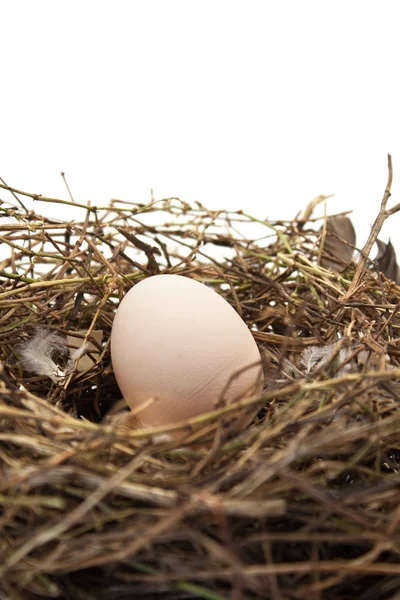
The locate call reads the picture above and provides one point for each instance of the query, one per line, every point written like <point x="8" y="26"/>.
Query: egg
<point x="178" y="342"/>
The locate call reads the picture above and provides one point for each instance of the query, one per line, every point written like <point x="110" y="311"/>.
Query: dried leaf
<point x="340" y="237"/>
<point x="90" y="350"/>
<point x="387" y="262"/>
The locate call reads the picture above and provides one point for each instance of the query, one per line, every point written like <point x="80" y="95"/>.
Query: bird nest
<point x="303" y="503"/>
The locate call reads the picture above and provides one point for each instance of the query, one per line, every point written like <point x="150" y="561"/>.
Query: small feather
<point x="315" y="357"/>
<point x="339" y="242"/>
<point x="387" y="261"/>
<point x="38" y="352"/>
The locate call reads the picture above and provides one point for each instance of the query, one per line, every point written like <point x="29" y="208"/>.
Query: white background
<point x="248" y="104"/>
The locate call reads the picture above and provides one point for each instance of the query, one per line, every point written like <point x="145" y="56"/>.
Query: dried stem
<point x="384" y="213"/>
<point x="301" y="503"/>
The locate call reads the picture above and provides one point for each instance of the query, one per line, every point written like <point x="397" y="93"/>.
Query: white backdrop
<point x="241" y="104"/>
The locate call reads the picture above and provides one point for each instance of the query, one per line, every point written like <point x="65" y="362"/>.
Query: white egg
<point x="177" y="341"/>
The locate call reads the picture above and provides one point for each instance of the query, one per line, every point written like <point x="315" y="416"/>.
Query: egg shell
<point x="176" y="340"/>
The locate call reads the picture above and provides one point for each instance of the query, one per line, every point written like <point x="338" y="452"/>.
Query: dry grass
<point x="303" y="504"/>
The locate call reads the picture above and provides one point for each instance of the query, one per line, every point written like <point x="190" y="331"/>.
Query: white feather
<point x="37" y="353"/>
<point x="314" y="357"/>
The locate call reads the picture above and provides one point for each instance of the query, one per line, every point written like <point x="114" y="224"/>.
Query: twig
<point x="67" y="186"/>
<point x="376" y="228"/>
<point x="22" y="205"/>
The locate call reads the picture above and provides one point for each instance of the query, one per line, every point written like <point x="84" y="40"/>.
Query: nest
<point x="303" y="503"/>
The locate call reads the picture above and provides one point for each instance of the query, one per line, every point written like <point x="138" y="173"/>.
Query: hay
<point x="304" y="503"/>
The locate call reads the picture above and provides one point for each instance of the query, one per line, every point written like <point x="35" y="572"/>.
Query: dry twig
<point x="303" y="503"/>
